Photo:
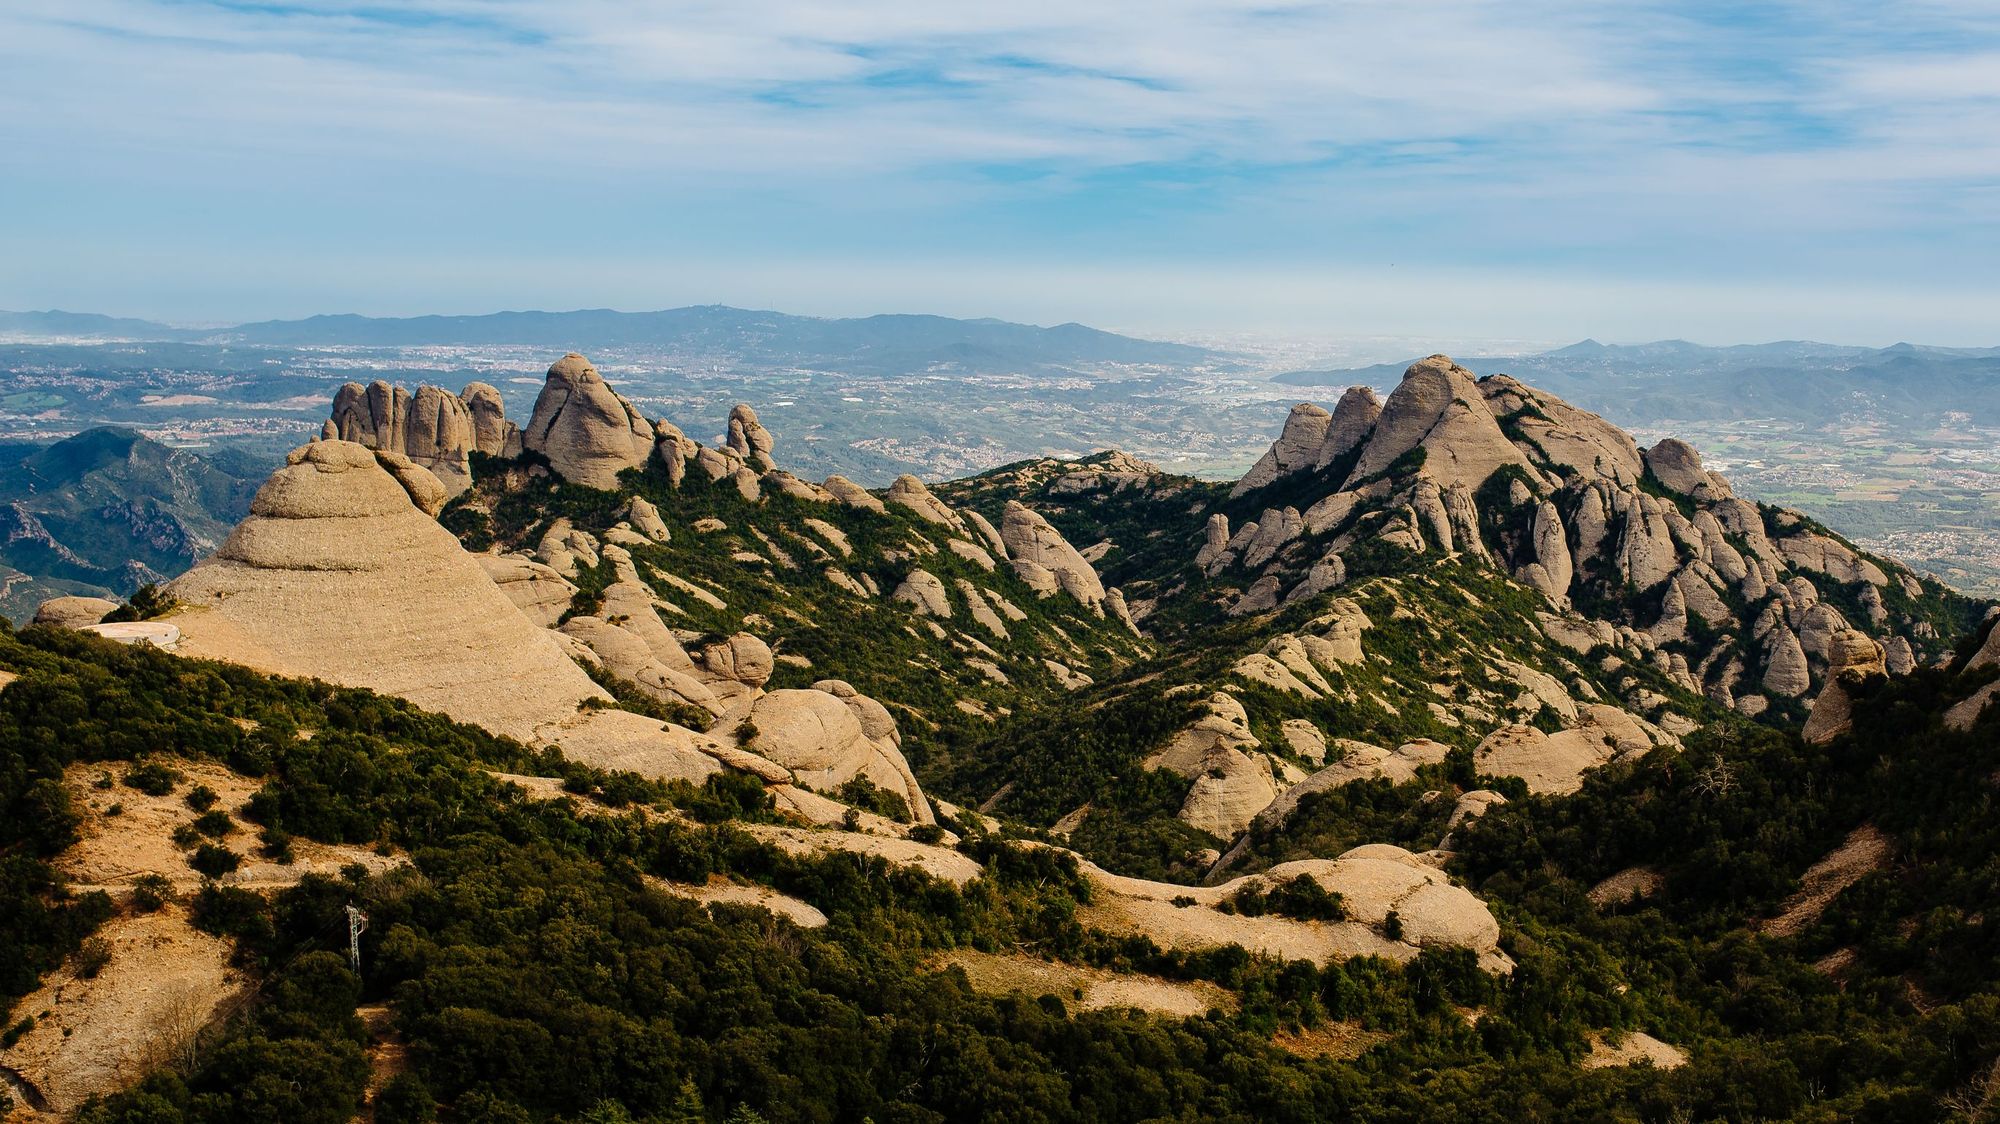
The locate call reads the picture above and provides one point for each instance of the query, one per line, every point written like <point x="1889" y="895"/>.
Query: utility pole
<point x="357" y="924"/>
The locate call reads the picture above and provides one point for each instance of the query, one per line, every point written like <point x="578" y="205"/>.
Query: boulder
<point x="923" y="592"/>
<point x="588" y="433"/>
<point x="1549" y="763"/>
<point x="823" y="741"/>
<point x="909" y="492"/>
<point x="646" y="519"/>
<point x="741" y="658"/>
<point x="74" y="612"/>
<point x="1675" y="464"/>
<point x="1231" y="789"/>
<point x="854" y="495"/>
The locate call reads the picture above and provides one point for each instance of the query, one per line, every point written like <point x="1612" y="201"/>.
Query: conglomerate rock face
<point x="588" y="433"/>
<point x="1492" y="471"/>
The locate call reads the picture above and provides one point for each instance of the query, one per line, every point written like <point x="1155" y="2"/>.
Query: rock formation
<point x="1296" y="448"/>
<point x="588" y="433"/>
<point x="1354" y="418"/>
<point x="749" y="439"/>
<point x="338" y="574"/>
<point x="1046" y="560"/>
<point x="74" y="612"/>
<point x="1852" y="658"/>
<point x="434" y="428"/>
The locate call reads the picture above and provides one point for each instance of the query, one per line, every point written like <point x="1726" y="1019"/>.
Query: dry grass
<point x="1085" y="989"/>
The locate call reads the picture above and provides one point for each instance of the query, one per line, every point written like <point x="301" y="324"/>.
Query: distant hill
<point x="108" y="511"/>
<point x="889" y="344"/>
<point x="875" y="343"/>
<point x="1793" y="380"/>
<point x="85" y="325"/>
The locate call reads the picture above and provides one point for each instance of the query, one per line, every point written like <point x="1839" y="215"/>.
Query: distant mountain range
<point x="1794" y="380"/>
<point x="874" y="344"/>
<point x="107" y="511"/>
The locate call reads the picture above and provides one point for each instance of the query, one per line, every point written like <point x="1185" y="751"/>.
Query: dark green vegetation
<point x="536" y="975"/>
<point x="108" y="511"/>
<point x="874" y="643"/>
<point x="1087" y="748"/>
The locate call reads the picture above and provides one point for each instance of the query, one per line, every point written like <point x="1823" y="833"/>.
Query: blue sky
<point x="1540" y="170"/>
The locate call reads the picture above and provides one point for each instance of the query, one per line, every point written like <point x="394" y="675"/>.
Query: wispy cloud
<point x="1636" y="141"/>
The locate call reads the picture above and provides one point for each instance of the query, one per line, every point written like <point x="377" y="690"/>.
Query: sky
<point x="1545" y="170"/>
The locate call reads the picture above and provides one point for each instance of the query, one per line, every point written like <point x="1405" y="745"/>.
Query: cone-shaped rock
<point x="337" y="574"/>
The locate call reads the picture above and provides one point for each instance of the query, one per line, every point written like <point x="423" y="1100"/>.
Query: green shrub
<point x="92" y="956"/>
<point x="154" y="778"/>
<point x="150" y="892"/>
<point x="214" y="861"/>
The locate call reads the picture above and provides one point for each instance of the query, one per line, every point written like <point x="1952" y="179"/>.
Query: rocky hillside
<point x="106" y="512"/>
<point x="1454" y="748"/>
<point x="1470" y="566"/>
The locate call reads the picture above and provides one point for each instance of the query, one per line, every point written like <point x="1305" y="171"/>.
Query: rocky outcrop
<point x="492" y="433"/>
<point x="542" y="594"/>
<point x="1785" y="671"/>
<point x="1297" y="447"/>
<point x="434" y="428"/>
<point x="854" y="495"/>
<point x="1550" y="571"/>
<point x="645" y="519"/>
<point x="923" y="592"/>
<point x="1555" y="763"/>
<point x="1040" y="555"/>
<point x="830" y="735"/>
<point x="909" y="493"/>
<point x="337" y="574"/>
<point x="1852" y="657"/>
<point x="588" y="433"/>
<point x="1439" y="407"/>
<point x="1354" y="418"/>
<point x="749" y="439"/>
<point x="1675" y="464"/>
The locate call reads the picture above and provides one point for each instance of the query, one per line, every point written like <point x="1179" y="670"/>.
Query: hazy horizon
<point x="1361" y="349"/>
